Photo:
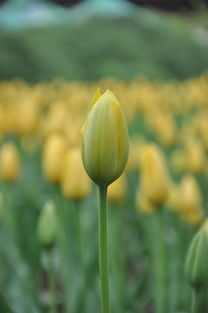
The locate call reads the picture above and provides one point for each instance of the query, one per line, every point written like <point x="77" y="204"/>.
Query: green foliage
<point x="149" y="45"/>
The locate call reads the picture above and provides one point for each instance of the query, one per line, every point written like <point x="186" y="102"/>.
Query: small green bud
<point x="47" y="224"/>
<point x="105" y="141"/>
<point x="196" y="269"/>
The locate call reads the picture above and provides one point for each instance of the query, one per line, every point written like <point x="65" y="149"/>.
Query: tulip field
<point x="52" y="259"/>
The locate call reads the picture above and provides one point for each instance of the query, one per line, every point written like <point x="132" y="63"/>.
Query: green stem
<point x="79" y="235"/>
<point x="52" y="284"/>
<point x="160" y="266"/>
<point x="193" y="301"/>
<point x="103" y="250"/>
<point x="80" y="255"/>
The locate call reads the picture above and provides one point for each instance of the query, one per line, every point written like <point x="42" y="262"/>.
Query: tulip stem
<point x="160" y="262"/>
<point x="52" y="283"/>
<point x="193" y="301"/>
<point x="103" y="250"/>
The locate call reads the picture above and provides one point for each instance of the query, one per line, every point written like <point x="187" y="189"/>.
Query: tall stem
<point x="103" y="250"/>
<point x="52" y="283"/>
<point x="160" y="266"/>
<point x="79" y="235"/>
<point x="193" y="301"/>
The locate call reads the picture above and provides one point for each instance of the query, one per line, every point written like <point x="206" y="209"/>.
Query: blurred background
<point x="89" y="39"/>
<point x="54" y="54"/>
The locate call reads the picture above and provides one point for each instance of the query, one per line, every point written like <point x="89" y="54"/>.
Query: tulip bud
<point x="190" y="194"/>
<point x="9" y="162"/>
<point x="196" y="262"/>
<point x="105" y="140"/>
<point x="195" y="160"/>
<point x="135" y="146"/>
<point x="27" y="119"/>
<point x="155" y="181"/>
<point x="75" y="183"/>
<point x="166" y="129"/>
<point x="144" y="204"/>
<point x="117" y="190"/>
<point x="178" y="160"/>
<point x="193" y="216"/>
<point x="173" y="201"/>
<point x="2" y="122"/>
<point x="53" y="155"/>
<point x="47" y="224"/>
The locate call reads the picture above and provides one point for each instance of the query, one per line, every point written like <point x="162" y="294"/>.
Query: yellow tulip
<point x="144" y="204"/>
<point x="53" y="155"/>
<point x="178" y="160"/>
<point x="173" y="201"/>
<point x="2" y="122"/>
<point x="105" y="140"/>
<point x="190" y="193"/>
<point x="165" y="129"/>
<point x="195" y="157"/>
<point x="9" y="162"/>
<point x="190" y="200"/>
<point x="75" y="183"/>
<point x="135" y="146"/>
<point x="193" y="216"/>
<point x="27" y="118"/>
<point x="117" y="190"/>
<point x="155" y="181"/>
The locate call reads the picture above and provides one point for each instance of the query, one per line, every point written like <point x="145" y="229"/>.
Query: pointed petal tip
<point x="96" y="97"/>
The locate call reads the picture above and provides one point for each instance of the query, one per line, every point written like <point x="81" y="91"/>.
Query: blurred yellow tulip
<point x="53" y="155"/>
<point x="27" y="118"/>
<point x="173" y="201"/>
<point x="9" y="162"/>
<point x="165" y="129"/>
<point x="193" y="217"/>
<point x="143" y="204"/>
<point x="117" y="190"/>
<point x="155" y="180"/>
<point x="135" y="146"/>
<point x="178" y="160"/>
<point x="190" y="193"/>
<point x="190" y="203"/>
<point x="75" y="184"/>
<point x="195" y="157"/>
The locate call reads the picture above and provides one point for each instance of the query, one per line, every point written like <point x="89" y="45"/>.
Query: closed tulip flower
<point x="27" y="119"/>
<point x="135" y="147"/>
<point x="196" y="262"/>
<point x="117" y="190"/>
<point x="178" y="160"/>
<point x="105" y="147"/>
<point x="195" y="157"/>
<point x="47" y="224"/>
<point x="155" y="181"/>
<point x="190" y="200"/>
<point x="75" y="183"/>
<point x="9" y="162"/>
<point x="143" y="204"/>
<point x="105" y="140"/>
<point x="53" y="156"/>
<point x="193" y="216"/>
<point x="190" y="193"/>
